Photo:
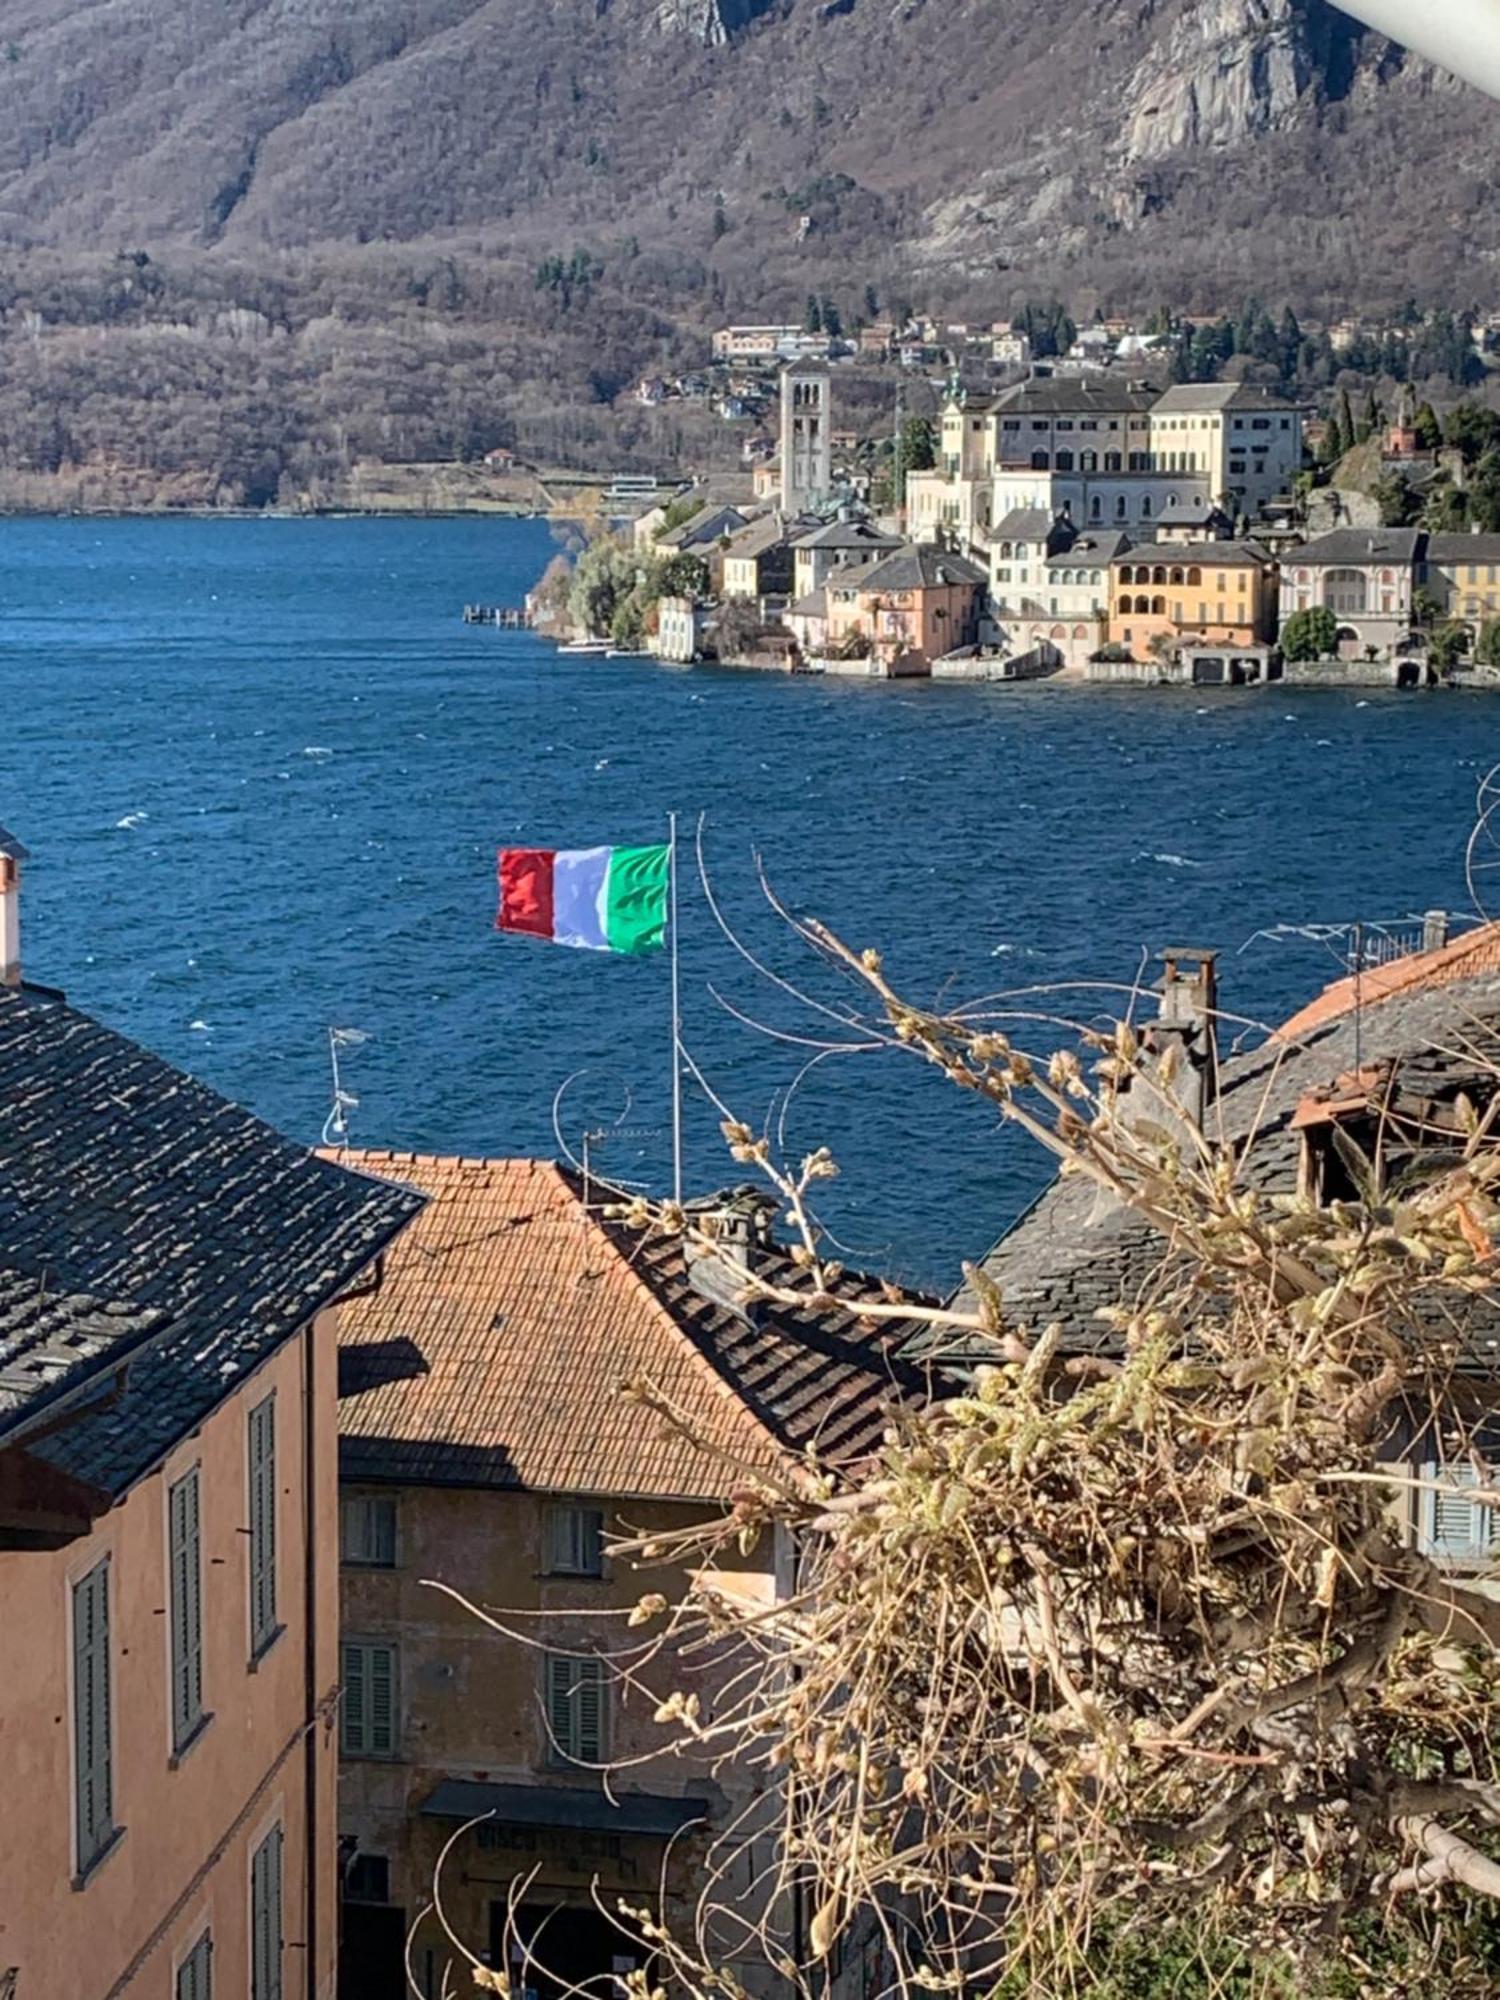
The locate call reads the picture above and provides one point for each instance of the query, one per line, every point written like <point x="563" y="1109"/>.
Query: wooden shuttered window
<point x="367" y="1529"/>
<point x="265" y="1918"/>
<point x="93" y="1800"/>
<point x="574" y="1692"/>
<point x="262" y="1453"/>
<point x="575" y="1541"/>
<point x="185" y="1564"/>
<point x="1455" y="1527"/>
<point x="368" y="1716"/>
<point x="195" y="1973"/>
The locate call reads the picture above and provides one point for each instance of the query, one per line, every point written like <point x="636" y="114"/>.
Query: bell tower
<point x="806" y="436"/>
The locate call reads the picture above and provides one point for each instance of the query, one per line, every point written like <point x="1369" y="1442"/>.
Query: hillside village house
<point x="846" y="543"/>
<point x="1246" y="440"/>
<point x="488" y="1445"/>
<point x="758" y="562"/>
<point x="1366" y="577"/>
<point x="912" y="608"/>
<point x="171" y="1270"/>
<point x="1109" y="453"/>
<point x="1383" y="1059"/>
<point x="1050" y="587"/>
<point x="1222" y="593"/>
<point x="1463" y="571"/>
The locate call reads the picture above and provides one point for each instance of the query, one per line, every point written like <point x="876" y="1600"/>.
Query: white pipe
<point x="1461" y="35"/>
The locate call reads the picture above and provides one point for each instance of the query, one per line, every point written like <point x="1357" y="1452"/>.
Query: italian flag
<point x="599" y="898"/>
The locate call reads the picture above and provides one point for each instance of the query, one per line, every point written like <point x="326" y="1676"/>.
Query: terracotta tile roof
<point x="1476" y="952"/>
<point x="511" y="1317"/>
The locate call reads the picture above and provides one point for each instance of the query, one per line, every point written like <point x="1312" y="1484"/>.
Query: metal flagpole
<point x="676" y="1019"/>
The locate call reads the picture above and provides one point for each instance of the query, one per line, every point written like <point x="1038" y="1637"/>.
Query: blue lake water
<point x="263" y="770"/>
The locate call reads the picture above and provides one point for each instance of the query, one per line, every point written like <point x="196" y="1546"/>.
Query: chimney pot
<point x="1434" y="930"/>
<point x="12" y="854"/>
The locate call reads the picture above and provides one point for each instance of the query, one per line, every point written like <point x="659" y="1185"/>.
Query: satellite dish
<point x="1462" y="35"/>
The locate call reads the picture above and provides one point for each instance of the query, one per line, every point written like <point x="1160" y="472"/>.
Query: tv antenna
<point x="336" y="1124"/>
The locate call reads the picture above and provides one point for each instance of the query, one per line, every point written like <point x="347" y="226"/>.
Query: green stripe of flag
<point x="635" y="898"/>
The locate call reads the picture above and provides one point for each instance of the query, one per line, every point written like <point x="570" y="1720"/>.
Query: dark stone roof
<point x="1093" y="550"/>
<point x="849" y="535"/>
<point x="11" y="847"/>
<point x="921" y="568"/>
<point x="1066" y="396"/>
<point x="1463" y="548"/>
<point x="1206" y="398"/>
<point x="1076" y="1251"/>
<point x="1027" y="524"/>
<point x="1197" y="555"/>
<point x="1362" y="545"/>
<point x="143" y="1217"/>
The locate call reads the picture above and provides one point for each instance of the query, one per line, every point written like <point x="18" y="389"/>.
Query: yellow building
<point x="1464" y="573"/>
<point x="1220" y="592"/>
<point x="489" y="1449"/>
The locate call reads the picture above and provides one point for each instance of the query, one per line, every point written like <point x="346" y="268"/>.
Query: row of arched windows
<point x="1147" y="607"/>
<point x="1158" y="573"/>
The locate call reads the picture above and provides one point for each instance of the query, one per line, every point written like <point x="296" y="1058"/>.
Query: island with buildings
<point x="1081" y="520"/>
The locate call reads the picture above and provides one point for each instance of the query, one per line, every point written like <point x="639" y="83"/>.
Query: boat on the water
<point x="599" y="648"/>
<point x="626" y="653"/>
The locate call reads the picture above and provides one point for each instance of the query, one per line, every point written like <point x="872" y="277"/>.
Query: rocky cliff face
<point x="1195" y="149"/>
<point x="1222" y="73"/>
<point x="711" y="22"/>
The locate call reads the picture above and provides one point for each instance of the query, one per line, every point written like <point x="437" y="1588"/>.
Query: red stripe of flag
<point x="526" y="890"/>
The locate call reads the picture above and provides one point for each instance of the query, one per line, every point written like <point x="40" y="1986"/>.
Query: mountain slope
<point x="967" y="147"/>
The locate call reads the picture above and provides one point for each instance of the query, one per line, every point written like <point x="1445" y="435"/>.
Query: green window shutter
<point x="195" y="1974"/>
<point x="265" y="1918"/>
<point x="558" y="1690"/>
<point x="356" y="1701"/>
<point x="559" y="1540"/>
<point x="263" y="1523"/>
<point x="588" y="1699"/>
<point x="382" y="1682"/>
<point x="575" y="1541"/>
<point x="369" y="1715"/>
<point x="575" y="1702"/>
<point x="187" y="1607"/>
<point x="93" y="1803"/>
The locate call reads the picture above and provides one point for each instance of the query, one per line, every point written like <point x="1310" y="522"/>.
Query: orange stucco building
<point x="1221" y="592"/>
<point x="169" y="1271"/>
<point x="907" y="610"/>
<point x="489" y="1448"/>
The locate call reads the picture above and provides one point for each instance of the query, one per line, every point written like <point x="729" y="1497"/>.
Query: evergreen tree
<point x="1289" y="344"/>
<point x="833" y="322"/>
<point x="872" y="303"/>
<point x="1346" y="420"/>
<point x="1487" y="650"/>
<point x="812" y="318"/>
<point x="1427" y="429"/>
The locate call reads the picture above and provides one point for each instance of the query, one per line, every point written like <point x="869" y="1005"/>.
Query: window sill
<point x="364" y="1562"/>
<point x="91" y="1868"/>
<point x="190" y="1741"/>
<point x="571" y="1576"/>
<point x="267" y="1645"/>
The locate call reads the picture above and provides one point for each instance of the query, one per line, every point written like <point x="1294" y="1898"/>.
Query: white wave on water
<point x="602" y="765"/>
<point x="317" y="750"/>
<point x="1171" y="860"/>
<point x="133" y="820"/>
<point x="200" y="1027"/>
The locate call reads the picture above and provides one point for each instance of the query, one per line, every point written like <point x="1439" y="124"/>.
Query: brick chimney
<point x="12" y="854"/>
<point x="1187" y="1016"/>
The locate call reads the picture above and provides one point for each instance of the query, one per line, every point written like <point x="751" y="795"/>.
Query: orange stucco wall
<point x="1230" y="605"/>
<point x="189" y="1825"/>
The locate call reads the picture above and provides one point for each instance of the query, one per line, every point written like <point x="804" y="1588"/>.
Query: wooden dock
<point x="509" y="617"/>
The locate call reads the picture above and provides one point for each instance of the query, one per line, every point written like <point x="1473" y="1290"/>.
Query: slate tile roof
<point x="512" y="1316"/>
<point x="1075" y="1250"/>
<point x="143" y="1216"/>
<point x="1361" y="545"/>
<point x="922" y="566"/>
